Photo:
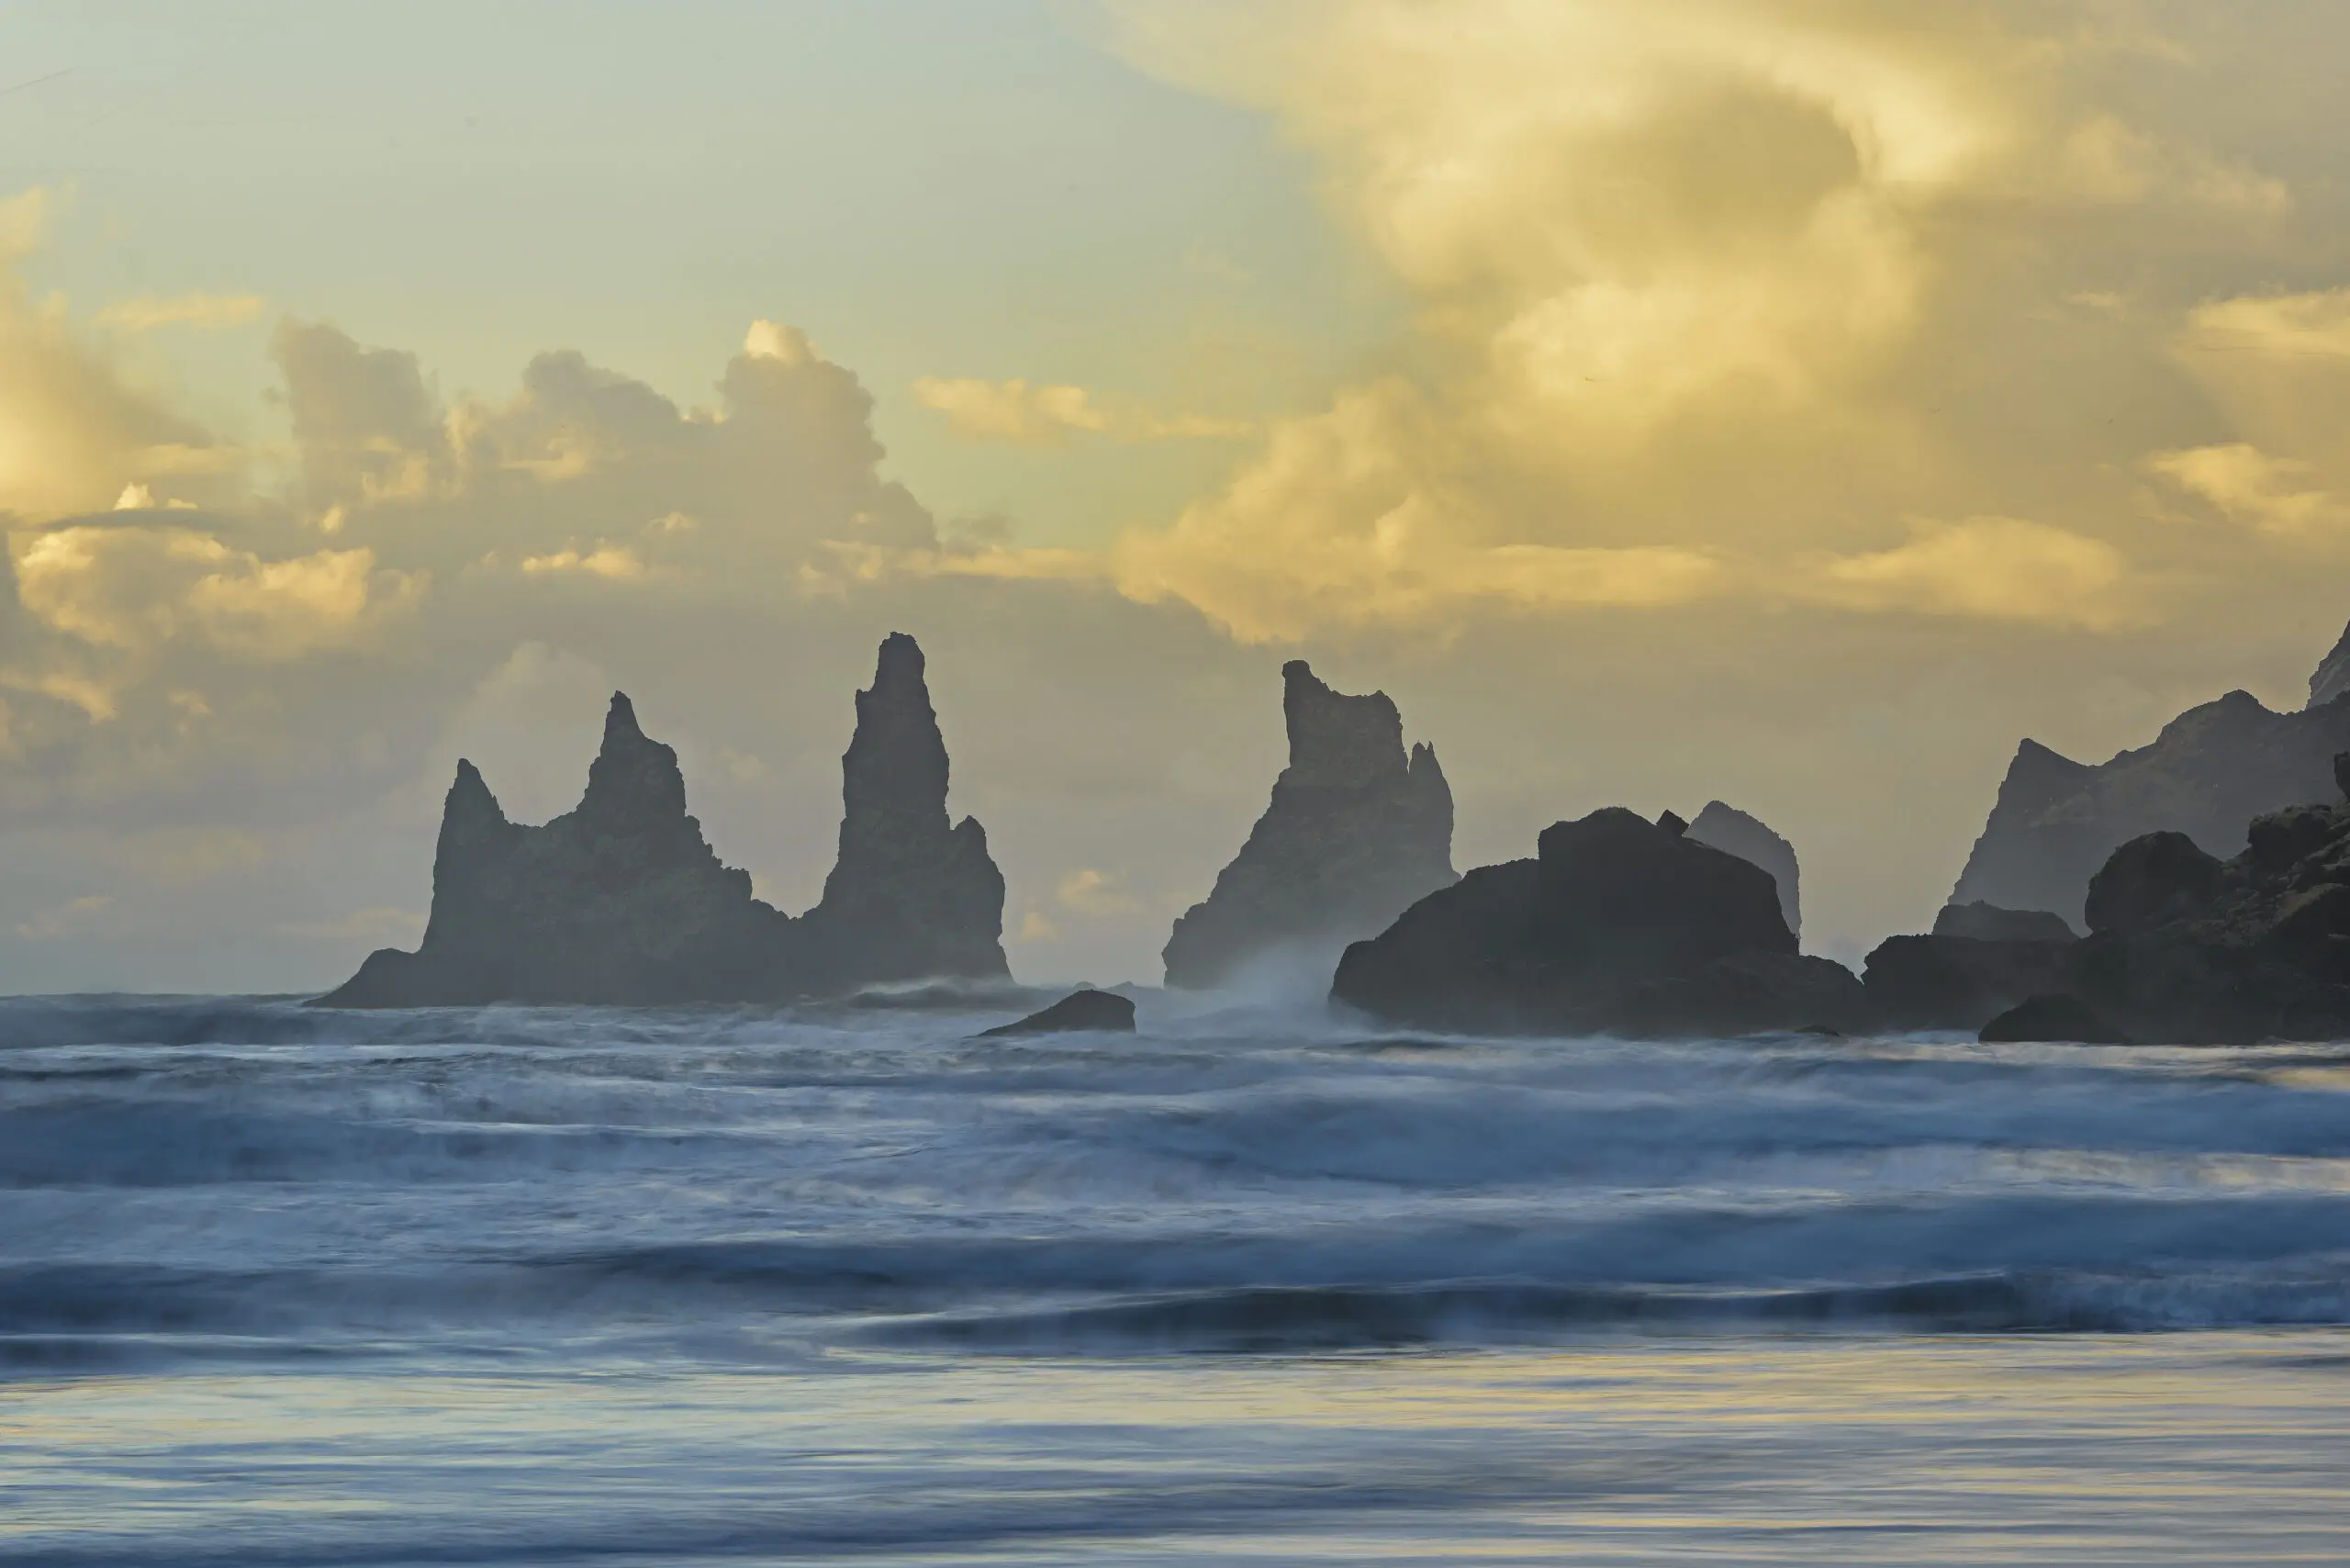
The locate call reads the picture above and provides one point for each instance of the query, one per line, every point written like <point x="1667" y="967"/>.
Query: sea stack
<point x="910" y="896"/>
<point x="2208" y="775"/>
<point x="1619" y="925"/>
<point x="619" y="901"/>
<point x="2185" y="948"/>
<point x="1733" y="832"/>
<point x="1357" y="832"/>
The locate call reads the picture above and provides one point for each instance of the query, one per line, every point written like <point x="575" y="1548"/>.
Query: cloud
<point x="1011" y="410"/>
<point x="134" y="588"/>
<point x="1090" y="890"/>
<point x="73" y="431"/>
<point x="71" y="918"/>
<point x="365" y="424"/>
<point x="616" y="562"/>
<point x="1016" y="412"/>
<point x="1999" y="568"/>
<point x="1699" y="289"/>
<point x="147" y="313"/>
<point x="2315" y="325"/>
<point x="2276" y="496"/>
<point x="1362" y="516"/>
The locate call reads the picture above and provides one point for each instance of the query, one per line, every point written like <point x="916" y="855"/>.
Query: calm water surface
<point x="551" y="1286"/>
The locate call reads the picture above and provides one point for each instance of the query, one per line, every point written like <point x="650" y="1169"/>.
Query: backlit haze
<point x="1790" y="401"/>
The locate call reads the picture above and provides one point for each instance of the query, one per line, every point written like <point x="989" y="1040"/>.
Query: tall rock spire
<point x="634" y="782"/>
<point x="910" y="897"/>
<point x="1358" y="831"/>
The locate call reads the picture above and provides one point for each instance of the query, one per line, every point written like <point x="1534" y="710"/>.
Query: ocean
<point x="523" y="1286"/>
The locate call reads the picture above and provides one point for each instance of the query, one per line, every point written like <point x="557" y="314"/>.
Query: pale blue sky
<point x="926" y="190"/>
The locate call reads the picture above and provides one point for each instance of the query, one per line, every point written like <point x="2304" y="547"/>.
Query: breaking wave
<point x="204" y="1179"/>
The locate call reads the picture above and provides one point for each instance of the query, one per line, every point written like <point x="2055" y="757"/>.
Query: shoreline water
<point x="522" y="1285"/>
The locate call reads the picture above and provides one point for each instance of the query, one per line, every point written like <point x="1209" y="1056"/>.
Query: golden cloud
<point x="1016" y="412"/>
<point x="134" y="588"/>
<point x="73" y="432"/>
<point x="147" y="313"/>
<point x="2277" y="496"/>
<point x="1694" y="284"/>
<point x="1998" y="568"/>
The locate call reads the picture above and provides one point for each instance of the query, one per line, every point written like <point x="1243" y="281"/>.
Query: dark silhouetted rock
<point x="1957" y="982"/>
<point x="1990" y="922"/>
<point x="617" y="901"/>
<point x="909" y="896"/>
<point x="2187" y="950"/>
<point x="1619" y="925"/>
<point x="1357" y="831"/>
<point x="621" y="901"/>
<point x="1102" y="1011"/>
<point x="2332" y="677"/>
<point x="1733" y="832"/>
<point x="2059" y="1020"/>
<point x="2210" y="771"/>
<point x="2151" y="881"/>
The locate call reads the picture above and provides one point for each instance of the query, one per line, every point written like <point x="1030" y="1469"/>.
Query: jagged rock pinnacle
<point x="1358" y="829"/>
<point x="909" y="896"/>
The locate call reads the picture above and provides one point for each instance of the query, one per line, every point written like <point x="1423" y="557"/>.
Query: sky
<point x="1793" y="402"/>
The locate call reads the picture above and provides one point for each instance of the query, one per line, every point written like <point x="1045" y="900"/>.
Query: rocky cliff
<point x="1619" y="925"/>
<point x="909" y="896"/>
<point x="1733" y="832"/>
<point x="2210" y="771"/>
<point x="2187" y="948"/>
<point x="1357" y="831"/>
<point x="617" y="901"/>
<point x="621" y="901"/>
<point x="2332" y="677"/>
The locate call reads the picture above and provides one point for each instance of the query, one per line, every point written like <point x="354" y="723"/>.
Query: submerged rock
<point x="1356" y="831"/>
<point x="621" y="901"/>
<point x="617" y="901"/>
<point x="909" y="896"/>
<point x="1104" y="1012"/>
<point x="2210" y="771"/>
<point x="1733" y="832"/>
<point x="2051" y="1019"/>
<point x="1619" y="925"/>
<point x="1990" y="922"/>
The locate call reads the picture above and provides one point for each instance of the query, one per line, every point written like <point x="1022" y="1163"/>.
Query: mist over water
<point x="548" y="1285"/>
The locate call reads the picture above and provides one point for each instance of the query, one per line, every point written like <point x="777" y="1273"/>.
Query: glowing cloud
<point x="203" y="311"/>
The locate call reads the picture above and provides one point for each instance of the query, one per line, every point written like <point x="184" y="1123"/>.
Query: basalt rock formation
<point x="617" y="901"/>
<point x="909" y="896"/>
<point x="1357" y="831"/>
<point x="1958" y="983"/>
<point x="621" y="901"/>
<point x="1990" y="922"/>
<point x="1619" y="925"/>
<point x="1733" y="832"/>
<point x="1101" y="1012"/>
<point x="2187" y="948"/>
<point x="2332" y="677"/>
<point x="2210" y="771"/>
